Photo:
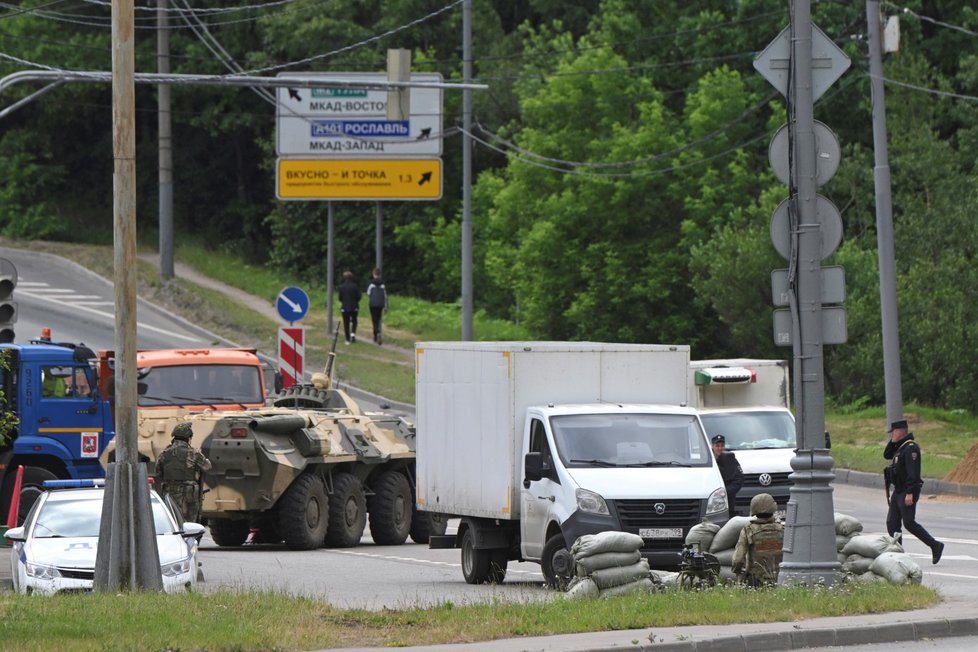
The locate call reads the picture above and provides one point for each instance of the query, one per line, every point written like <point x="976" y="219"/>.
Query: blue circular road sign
<point x="292" y="304"/>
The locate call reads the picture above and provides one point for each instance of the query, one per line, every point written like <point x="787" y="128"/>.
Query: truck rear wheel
<point x="227" y="532"/>
<point x="557" y="563"/>
<point x="424" y="525"/>
<point x="303" y="513"/>
<point x="390" y="509"/>
<point x="475" y="562"/>
<point x="347" y="512"/>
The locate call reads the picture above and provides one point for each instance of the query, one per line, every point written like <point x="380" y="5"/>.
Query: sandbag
<point x="871" y="545"/>
<point x="856" y="564"/>
<point x="607" y="578"/>
<point x="644" y="584"/>
<point x="587" y="565"/>
<point x="702" y="534"/>
<point x="897" y="568"/>
<point x="729" y="533"/>
<point x="725" y="557"/>
<point x="609" y="541"/>
<point x="840" y="542"/>
<point x="582" y="587"/>
<point x="869" y="578"/>
<point x="727" y="576"/>
<point x="847" y="525"/>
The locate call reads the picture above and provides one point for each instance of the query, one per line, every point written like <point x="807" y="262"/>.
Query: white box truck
<point x="533" y="444"/>
<point x="748" y="402"/>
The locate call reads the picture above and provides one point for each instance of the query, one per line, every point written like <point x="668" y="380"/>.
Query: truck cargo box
<point x="472" y="399"/>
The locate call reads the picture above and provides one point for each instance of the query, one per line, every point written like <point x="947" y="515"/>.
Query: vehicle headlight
<point x="42" y="572"/>
<point x="181" y="567"/>
<point x="717" y="501"/>
<point x="588" y="501"/>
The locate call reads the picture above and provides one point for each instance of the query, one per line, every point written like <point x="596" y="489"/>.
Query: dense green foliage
<point x="623" y="190"/>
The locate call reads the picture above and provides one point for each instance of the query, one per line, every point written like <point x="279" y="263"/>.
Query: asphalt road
<point x="79" y="306"/>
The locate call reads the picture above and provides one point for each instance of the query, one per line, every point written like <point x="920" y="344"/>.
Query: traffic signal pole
<point x="809" y="540"/>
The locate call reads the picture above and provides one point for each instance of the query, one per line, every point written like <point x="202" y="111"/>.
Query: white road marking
<point x="430" y="562"/>
<point x="108" y="315"/>
<point x="967" y="577"/>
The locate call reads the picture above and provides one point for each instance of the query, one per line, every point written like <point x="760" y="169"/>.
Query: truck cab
<point x="63" y="420"/>
<point x="747" y="401"/>
<point x="642" y="469"/>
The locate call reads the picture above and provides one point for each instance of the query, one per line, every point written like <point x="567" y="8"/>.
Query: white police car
<point x="54" y="550"/>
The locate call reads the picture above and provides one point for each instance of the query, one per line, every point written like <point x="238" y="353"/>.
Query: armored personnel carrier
<point x="310" y="470"/>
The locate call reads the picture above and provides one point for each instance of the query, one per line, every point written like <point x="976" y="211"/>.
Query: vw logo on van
<point x="764" y="479"/>
<point x="660" y="508"/>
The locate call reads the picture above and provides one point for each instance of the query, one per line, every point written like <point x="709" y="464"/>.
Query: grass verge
<point x="274" y="621"/>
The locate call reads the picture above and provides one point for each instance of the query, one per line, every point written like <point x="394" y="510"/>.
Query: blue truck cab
<point x="63" y="424"/>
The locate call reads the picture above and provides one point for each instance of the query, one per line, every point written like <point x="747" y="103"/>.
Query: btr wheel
<point x="390" y="509"/>
<point x="557" y="563"/>
<point x="227" y="532"/>
<point x="347" y="512"/>
<point x="303" y="513"/>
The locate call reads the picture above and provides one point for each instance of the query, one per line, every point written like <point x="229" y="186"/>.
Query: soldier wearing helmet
<point x="179" y="470"/>
<point x="759" y="548"/>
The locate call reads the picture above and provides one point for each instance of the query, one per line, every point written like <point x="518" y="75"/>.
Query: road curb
<point x="818" y="637"/>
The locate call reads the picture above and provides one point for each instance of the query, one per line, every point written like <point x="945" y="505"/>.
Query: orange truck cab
<point x="193" y="379"/>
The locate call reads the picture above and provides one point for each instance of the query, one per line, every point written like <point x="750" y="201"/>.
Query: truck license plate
<point x="660" y="532"/>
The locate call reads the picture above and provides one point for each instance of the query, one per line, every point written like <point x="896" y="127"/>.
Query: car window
<point x="82" y="517"/>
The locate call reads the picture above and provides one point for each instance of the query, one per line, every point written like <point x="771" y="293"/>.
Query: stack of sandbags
<point x="846" y="527"/>
<point x="608" y="564"/>
<point x="725" y="543"/>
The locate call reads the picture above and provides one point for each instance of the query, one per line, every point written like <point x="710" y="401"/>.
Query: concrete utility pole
<point x="166" y="142"/>
<point x="884" y="222"/>
<point x="467" y="299"/>
<point x="809" y="542"/>
<point x="379" y="237"/>
<point x="127" y="555"/>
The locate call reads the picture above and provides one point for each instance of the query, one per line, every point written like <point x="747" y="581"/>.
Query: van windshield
<point x="638" y="440"/>
<point x="201" y="385"/>
<point x="751" y="430"/>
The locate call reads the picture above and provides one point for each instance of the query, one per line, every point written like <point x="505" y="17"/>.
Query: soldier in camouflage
<point x="759" y="548"/>
<point x="178" y="472"/>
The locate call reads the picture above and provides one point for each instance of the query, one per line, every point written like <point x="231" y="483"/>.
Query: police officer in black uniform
<point x="733" y="475"/>
<point x="904" y="474"/>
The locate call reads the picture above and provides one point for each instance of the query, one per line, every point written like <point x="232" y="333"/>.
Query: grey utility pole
<point x="379" y="237"/>
<point x="165" y="142"/>
<point x="330" y="236"/>
<point x="884" y="222"/>
<point x="809" y="541"/>
<point x="467" y="299"/>
<point x="127" y="557"/>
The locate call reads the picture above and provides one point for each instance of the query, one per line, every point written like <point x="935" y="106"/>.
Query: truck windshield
<point x="602" y="440"/>
<point x="201" y="385"/>
<point x="752" y="430"/>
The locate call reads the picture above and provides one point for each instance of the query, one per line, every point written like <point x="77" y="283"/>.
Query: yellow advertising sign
<point x="367" y="180"/>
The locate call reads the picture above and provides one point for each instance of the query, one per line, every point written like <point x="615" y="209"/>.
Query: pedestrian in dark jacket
<point x="349" y="306"/>
<point x="733" y="475"/>
<point x="377" y="292"/>
<point x="904" y="474"/>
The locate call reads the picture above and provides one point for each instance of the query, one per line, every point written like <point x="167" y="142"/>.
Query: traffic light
<point x="8" y="307"/>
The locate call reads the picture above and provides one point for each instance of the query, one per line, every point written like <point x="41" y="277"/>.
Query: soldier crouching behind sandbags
<point x="759" y="548"/>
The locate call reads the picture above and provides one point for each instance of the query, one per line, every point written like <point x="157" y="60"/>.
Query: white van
<point x="747" y="401"/>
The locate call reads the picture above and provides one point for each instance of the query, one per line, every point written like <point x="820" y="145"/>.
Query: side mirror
<point x="532" y="468"/>
<point x="15" y="534"/>
<point x="141" y="388"/>
<point x="193" y="531"/>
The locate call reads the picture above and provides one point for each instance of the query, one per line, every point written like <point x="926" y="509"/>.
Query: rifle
<point x="886" y="484"/>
